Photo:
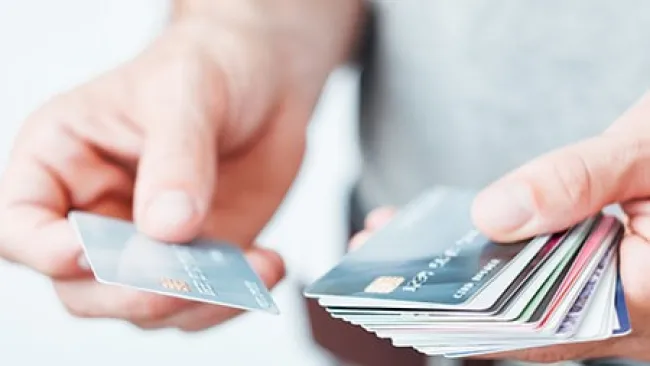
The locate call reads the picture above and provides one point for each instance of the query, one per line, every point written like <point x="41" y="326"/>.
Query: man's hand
<point x="562" y="188"/>
<point x="200" y="135"/>
<point x="565" y="186"/>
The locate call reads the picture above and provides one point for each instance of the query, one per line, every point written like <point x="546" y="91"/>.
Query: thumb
<point x="566" y="186"/>
<point x="176" y="176"/>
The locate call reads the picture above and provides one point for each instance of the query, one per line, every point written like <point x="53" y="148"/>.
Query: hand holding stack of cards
<point x="429" y="280"/>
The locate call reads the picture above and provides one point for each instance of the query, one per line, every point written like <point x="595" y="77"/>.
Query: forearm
<point x="321" y="30"/>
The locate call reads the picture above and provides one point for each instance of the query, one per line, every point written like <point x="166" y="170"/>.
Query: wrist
<point x="268" y="48"/>
<point x="312" y="34"/>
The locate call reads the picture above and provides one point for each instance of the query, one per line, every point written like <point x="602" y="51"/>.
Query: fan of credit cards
<point x="429" y="280"/>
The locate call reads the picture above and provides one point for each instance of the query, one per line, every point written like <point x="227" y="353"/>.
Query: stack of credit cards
<point x="429" y="280"/>
<point x="203" y="270"/>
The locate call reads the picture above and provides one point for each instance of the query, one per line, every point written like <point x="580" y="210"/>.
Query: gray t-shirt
<point x="459" y="92"/>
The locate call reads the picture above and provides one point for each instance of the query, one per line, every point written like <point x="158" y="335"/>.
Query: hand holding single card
<point x="197" y="136"/>
<point x="562" y="188"/>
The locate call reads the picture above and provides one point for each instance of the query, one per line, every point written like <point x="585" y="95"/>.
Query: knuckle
<point x="633" y="157"/>
<point x="50" y="110"/>
<point x="574" y="179"/>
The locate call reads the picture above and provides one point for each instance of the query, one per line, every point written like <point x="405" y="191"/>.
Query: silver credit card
<point x="202" y="270"/>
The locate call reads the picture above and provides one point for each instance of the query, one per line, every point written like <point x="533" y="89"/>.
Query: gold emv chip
<point x="384" y="284"/>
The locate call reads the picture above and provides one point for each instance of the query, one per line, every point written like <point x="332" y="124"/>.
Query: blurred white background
<point x="49" y="46"/>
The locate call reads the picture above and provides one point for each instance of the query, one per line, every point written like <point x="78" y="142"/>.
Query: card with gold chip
<point x="429" y="255"/>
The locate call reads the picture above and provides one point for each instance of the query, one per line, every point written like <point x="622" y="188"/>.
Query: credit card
<point x="623" y="326"/>
<point x="202" y="270"/>
<point x="524" y="303"/>
<point x="429" y="256"/>
<point x="569" y="289"/>
<point x="414" y="314"/>
<point x="607" y="231"/>
<point x="561" y="248"/>
<point x="417" y="315"/>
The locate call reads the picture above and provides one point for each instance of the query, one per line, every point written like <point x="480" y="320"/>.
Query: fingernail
<point x="169" y="209"/>
<point x="82" y="262"/>
<point x="358" y="240"/>
<point x="504" y="207"/>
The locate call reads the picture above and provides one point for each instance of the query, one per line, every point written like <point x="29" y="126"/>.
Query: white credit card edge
<point x="531" y="287"/>
<point x="522" y="259"/>
<point x="586" y="329"/>
<point x="609" y="282"/>
<point x="565" y="306"/>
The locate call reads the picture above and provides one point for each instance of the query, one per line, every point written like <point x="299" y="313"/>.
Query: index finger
<point x="33" y="226"/>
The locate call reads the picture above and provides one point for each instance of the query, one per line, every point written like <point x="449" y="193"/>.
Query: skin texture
<point x="201" y="134"/>
<point x="560" y="189"/>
